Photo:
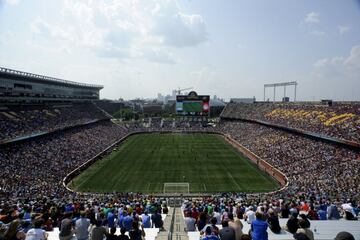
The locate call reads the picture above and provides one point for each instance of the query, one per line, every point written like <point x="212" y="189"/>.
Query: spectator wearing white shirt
<point x="249" y="215"/>
<point x="36" y="233"/>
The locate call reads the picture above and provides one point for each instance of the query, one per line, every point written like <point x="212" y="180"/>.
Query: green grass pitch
<point x="144" y="162"/>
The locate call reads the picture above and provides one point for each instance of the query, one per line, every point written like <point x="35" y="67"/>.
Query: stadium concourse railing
<point x="259" y="162"/>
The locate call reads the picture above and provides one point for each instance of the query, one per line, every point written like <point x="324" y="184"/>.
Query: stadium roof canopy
<point x="44" y="79"/>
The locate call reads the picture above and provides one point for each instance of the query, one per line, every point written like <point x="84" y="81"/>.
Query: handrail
<point x="171" y="230"/>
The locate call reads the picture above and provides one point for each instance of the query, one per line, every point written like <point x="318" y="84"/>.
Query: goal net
<point x="176" y="187"/>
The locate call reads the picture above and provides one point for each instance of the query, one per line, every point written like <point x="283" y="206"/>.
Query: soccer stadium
<point x="65" y="152"/>
<point x="77" y="164"/>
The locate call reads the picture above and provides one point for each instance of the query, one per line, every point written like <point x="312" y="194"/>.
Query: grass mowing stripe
<point x="144" y="162"/>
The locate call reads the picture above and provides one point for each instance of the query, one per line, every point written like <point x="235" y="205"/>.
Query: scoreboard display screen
<point x="193" y="104"/>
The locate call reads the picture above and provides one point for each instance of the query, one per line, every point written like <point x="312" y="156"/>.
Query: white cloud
<point x="337" y="77"/>
<point x="351" y="62"/>
<point x="312" y="17"/>
<point x="126" y="29"/>
<point x="181" y="30"/>
<point x="41" y="27"/>
<point x="343" y="29"/>
<point x="327" y="62"/>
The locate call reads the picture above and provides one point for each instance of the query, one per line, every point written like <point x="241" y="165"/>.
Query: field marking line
<point x="232" y="178"/>
<point x="204" y="187"/>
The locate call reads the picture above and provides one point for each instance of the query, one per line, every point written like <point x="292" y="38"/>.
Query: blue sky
<point x="224" y="48"/>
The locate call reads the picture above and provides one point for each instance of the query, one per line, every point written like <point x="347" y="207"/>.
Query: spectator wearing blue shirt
<point x="259" y="227"/>
<point x="146" y="220"/>
<point x="127" y="222"/>
<point x="111" y="218"/>
<point x="333" y="212"/>
<point x="209" y="235"/>
<point x="322" y="214"/>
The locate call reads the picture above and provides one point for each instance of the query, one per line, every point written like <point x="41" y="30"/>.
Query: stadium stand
<point x="110" y="107"/>
<point x="21" y="121"/>
<point x="314" y="168"/>
<point x="200" y="213"/>
<point x="42" y="141"/>
<point x="320" y="175"/>
<point x="340" y="120"/>
<point x="35" y="168"/>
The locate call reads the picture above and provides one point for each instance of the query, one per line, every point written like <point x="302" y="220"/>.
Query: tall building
<point x="160" y="98"/>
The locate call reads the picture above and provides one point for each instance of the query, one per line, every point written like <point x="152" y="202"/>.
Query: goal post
<point x="176" y="187"/>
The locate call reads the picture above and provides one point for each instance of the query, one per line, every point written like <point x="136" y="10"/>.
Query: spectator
<point x="304" y="228"/>
<point x="135" y="233"/>
<point x="227" y="233"/>
<point x="122" y="234"/>
<point x="165" y="209"/>
<point x="217" y="215"/>
<point x="300" y="236"/>
<point x="333" y="212"/>
<point x="259" y="228"/>
<point x="66" y="229"/>
<point x="249" y="215"/>
<point x="146" y="219"/>
<point x="111" y="218"/>
<point x="202" y="220"/>
<point x="312" y="214"/>
<point x="189" y="223"/>
<point x="36" y="233"/>
<point x="292" y="224"/>
<point x="237" y="228"/>
<point x="99" y="232"/>
<point x="273" y="222"/>
<point x="209" y="235"/>
<point x="344" y="236"/>
<point x="112" y="235"/>
<point x="82" y="226"/>
<point x="157" y="221"/>
<point x="127" y="221"/>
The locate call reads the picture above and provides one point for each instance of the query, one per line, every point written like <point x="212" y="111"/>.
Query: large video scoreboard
<point x="193" y="105"/>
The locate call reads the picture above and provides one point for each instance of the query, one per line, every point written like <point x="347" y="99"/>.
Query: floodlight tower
<point x="283" y="84"/>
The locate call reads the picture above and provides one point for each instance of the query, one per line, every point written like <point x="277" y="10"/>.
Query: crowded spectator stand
<point x="321" y="175"/>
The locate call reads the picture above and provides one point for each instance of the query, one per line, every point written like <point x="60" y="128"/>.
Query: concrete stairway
<point x="178" y="229"/>
<point x="179" y="226"/>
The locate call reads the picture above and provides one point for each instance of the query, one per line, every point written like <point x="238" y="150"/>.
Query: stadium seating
<point x="19" y="121"/>
<point x="323" y="230"/>
<point x="312" y="167"/>
<point x="341" y="120"/>
<point x="34" y="168"/>
<point x="150" y="233"/>
<point x="32" y="171"/>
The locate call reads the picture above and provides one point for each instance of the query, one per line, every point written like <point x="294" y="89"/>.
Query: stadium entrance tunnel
<point x="206" y="162"/>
